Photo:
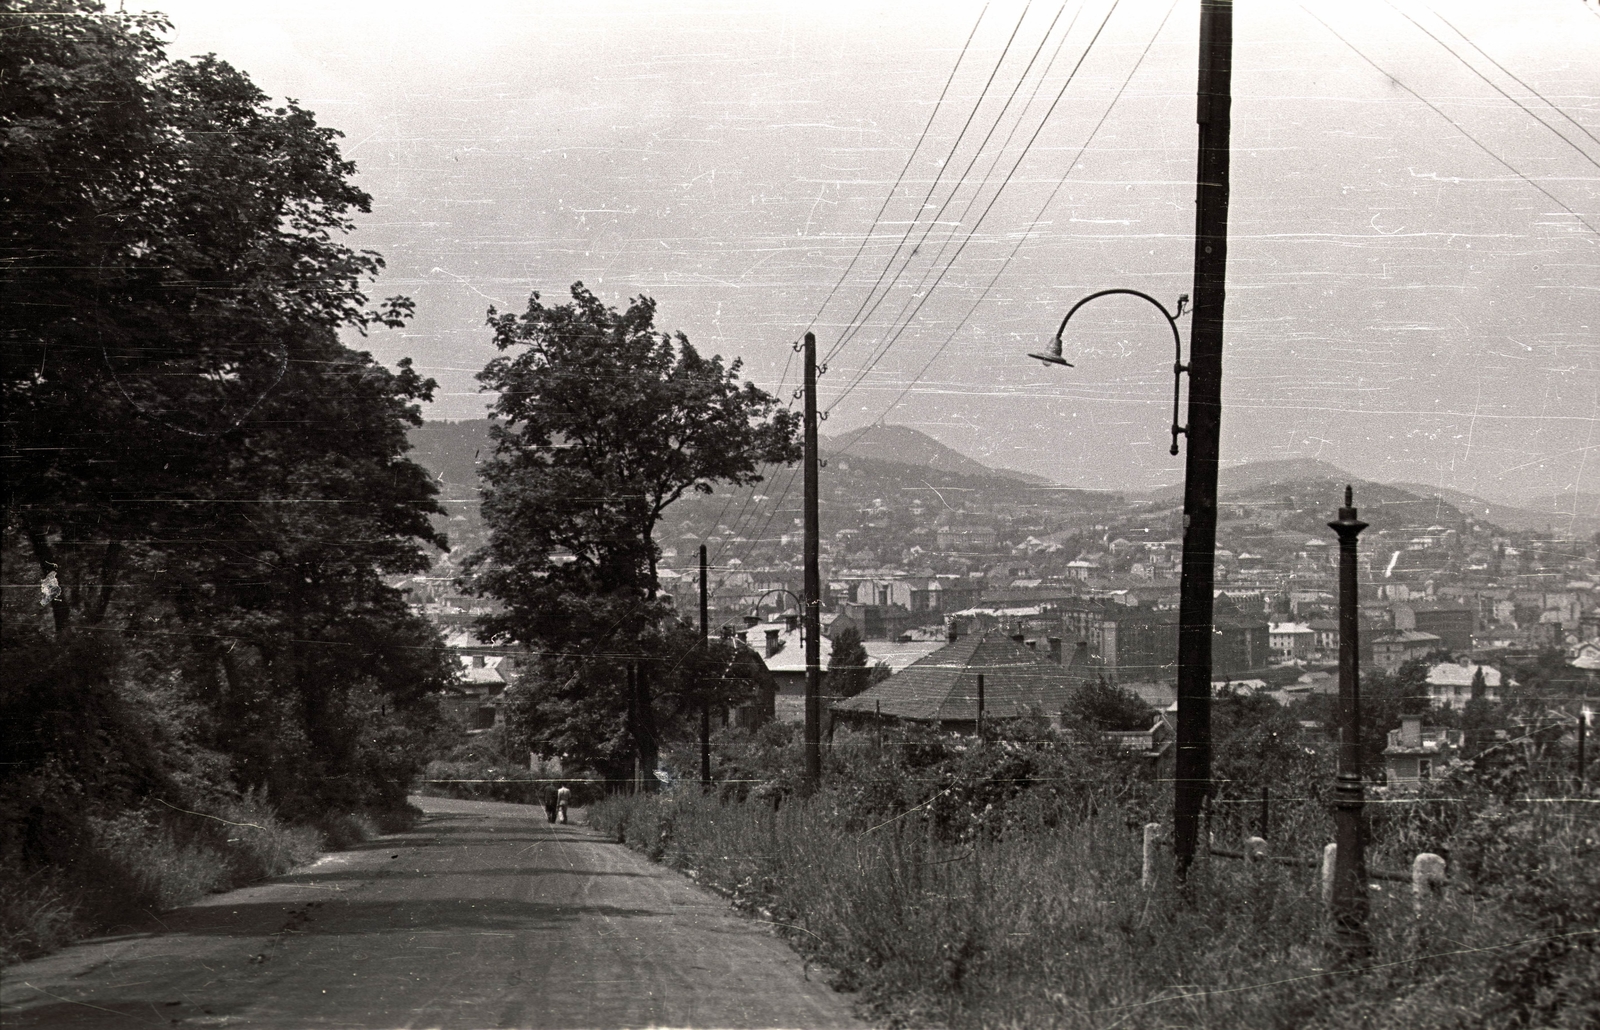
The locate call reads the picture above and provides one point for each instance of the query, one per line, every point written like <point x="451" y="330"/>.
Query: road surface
<point x="484" y="915"/>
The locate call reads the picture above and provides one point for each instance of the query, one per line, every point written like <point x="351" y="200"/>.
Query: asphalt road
<point x="484" y="915"/>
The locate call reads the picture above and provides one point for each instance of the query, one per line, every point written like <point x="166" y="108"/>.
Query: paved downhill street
<point x="484" y="915"/>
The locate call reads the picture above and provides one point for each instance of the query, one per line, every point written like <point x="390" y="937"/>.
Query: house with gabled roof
<point x="942" y="688"/>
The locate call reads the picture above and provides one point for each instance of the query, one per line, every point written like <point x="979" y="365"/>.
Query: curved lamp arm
<point x="800" y="606"/>
<point x="1053" y="356"/>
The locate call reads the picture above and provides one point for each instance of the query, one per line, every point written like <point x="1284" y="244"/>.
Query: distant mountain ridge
<point x="883" y="442"/>
<point x="452" y="450"/>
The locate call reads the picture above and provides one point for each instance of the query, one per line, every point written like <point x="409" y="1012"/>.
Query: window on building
<point x="1424" y="768"/>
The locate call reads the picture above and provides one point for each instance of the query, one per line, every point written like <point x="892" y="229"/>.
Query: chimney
<point x="751" y="620"/>
<point x="1411" y="731"/>
<point x="477" y="661"/>
<point x="772" y="642"/>
<point x="954" y="630"/>
<point x="792" y="620"/>
<point x="1055" y="650"/>
<point x="1018" y="637"/>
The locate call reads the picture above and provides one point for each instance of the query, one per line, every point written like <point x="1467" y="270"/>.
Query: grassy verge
<point x="1047" y="925"/>
<point x="126" y="867"/>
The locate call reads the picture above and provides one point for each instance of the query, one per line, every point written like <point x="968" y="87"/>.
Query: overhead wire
<point x="861" y="376"/>
<point x="1495" y="86"/>
<point x="865" y="239"/>
<point x="739" y="520"/>
<point x="1502" y="162"/>
<point x="916" y="216"/>
<point x="988" y="175"/>
<point x="1552" y="105"/>
<point x="960" y="181"/>
<point x="1042" y="208"/>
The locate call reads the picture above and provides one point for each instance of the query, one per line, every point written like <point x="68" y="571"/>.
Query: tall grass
<point x="1050" y="927"/>
<point x="123" y="868"/>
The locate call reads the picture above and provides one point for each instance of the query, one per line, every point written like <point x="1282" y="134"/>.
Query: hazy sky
<point x="1411" y="300"/>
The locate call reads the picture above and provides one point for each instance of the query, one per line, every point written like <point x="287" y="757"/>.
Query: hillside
<point x="906" y="446"/>
<point x="1578" y="514"/>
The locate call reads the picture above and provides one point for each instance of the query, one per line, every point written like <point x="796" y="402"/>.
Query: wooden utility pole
<point x="813" y="584"/>
<point x="1193" y="772"/>
<point x="1349" y="862"/>
<point x="705" y="707"/>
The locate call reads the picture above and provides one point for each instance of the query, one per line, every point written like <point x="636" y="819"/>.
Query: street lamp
<point x="1053" y="357"/>
<point x="1192" y="775"/>
<point x="799" y="606"/>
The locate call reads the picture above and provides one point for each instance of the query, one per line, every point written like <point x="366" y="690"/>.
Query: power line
<point x="1579" y="125"/>
<point x="992" y="201"/>
<point x="1453" y="123"/>
<point x="1043" y="207"/>
<point x="977" y="152"/>
<point x="1492" y="85"/>
<point x="976" y="193"/>
<point x="982" y="96"/>
<point x="901" y="177"/>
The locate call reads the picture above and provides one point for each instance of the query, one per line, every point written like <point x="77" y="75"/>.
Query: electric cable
<point x="960" y="181"/>
<point x="988" y="175"/>
<point x="1024" y="237"/>
<point x="1492" y="85"/>
<point x="1454" y="124"/>
<point x="982" y="96"/>
<point x="992" y="201"/>
<point x="906" y="168"/>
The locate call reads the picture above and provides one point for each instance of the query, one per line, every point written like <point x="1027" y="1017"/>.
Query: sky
<point x="1414" y="238"/>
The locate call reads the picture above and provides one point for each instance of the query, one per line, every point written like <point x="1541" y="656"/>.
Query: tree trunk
<point x="645" y="738"/>
<point x="59" y="608"/>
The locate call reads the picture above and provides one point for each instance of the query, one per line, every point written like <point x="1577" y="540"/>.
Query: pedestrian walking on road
<point x="550" y="804"/>
<point x="562" y="797"/>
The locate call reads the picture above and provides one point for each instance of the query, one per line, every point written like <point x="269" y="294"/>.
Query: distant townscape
<point x="921" y="545"/>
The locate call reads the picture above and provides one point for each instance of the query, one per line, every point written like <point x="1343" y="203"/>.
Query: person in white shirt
<point x="563" y="796"/>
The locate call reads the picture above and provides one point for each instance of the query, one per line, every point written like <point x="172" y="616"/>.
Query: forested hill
<point x="898" y="456"/>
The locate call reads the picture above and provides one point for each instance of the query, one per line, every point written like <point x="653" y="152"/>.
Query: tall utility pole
<point x="1349" y="863"/>
<point x="813" y="612"/>
<point x="705" y="709"/>
<point x="1193" y="772"/>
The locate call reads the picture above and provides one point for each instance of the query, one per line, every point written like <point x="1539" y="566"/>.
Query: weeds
<point x="125" y="867"/>
<point x="964" y="902"/>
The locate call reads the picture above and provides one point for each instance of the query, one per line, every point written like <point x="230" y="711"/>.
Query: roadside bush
<point x="999" y="886"/>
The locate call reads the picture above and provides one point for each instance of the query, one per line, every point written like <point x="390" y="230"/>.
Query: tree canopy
<point x="600" y="423"/>
<point x="200" y="474"/>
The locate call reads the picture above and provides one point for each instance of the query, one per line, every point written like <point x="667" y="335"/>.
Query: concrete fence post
<point x="1152" y="835"/>
<point x="1329" y="855"/>
<point x="1427" y="879"/>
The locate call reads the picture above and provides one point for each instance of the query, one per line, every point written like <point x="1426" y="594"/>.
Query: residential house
<point x="1415" y="753"/>
<point x="1291" y="639"/>
<point x="941" y="689"/>
<point x="1453" y="684"/>
<point x="1392" y="650"/>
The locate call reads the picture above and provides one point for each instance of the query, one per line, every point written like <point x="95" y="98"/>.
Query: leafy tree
<point x="196" y="469"/>
<point x="848" y="674"/>
<point x="600" y="423"/>
<point x="581" y="710"/>
<point x="1103" y="705"/>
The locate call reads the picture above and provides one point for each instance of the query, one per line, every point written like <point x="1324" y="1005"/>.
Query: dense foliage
<point x="600" y="423"/>
<point x="961" y="884"/>
<point x="206" y="485"/>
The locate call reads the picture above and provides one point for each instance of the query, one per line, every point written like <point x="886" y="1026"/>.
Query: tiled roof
<point x="944" y="685"/>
